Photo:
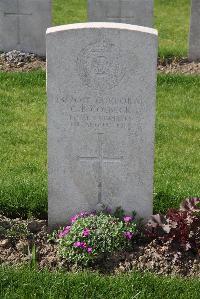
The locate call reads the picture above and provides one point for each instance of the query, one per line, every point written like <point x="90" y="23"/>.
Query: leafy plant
<point x="33" y="257"/>
<point x="180" y="227"/>
<point x="93" y="236"/>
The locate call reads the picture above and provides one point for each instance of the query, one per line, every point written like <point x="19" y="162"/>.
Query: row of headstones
<point x="23" y="23"/>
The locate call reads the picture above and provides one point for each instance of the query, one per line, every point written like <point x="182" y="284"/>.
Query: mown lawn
<point x="23" y="151"/>
<point x="28" y="284"/>
<point x="171" y="18"/>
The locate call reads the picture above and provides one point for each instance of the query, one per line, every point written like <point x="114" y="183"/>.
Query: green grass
<point x="69" y="11"/>
<point x="171" y="20"/>
<point x="23" y="153"/>
<point x="26" y="283"/>
<point x="177" y="156"/>
<point x="23" y="177"/>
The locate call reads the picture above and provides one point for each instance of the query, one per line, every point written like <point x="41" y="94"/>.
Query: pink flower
<point x="83" y="245"/>
<point x="64" y="232"/>
<point x="86" y="232"/>
<point x="77" y="244"/>
<point x="67" y="228"/>
<point x="128" y="219"/>
<point x="74" y="218"/>
<point x="80" y="215"/>
<point x="89" y="250"/>
<point x="128" y="235"/>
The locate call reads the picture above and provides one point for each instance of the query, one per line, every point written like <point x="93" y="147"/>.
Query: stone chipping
<point x="18" y="61"/>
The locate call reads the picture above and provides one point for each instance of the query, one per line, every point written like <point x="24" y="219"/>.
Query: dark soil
<point x="26" y="241"/>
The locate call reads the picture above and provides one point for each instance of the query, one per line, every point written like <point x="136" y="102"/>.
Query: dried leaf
<point x="190" y="204"/>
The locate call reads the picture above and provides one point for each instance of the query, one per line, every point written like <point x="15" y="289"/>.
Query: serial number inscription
<point x="100" y="113"/>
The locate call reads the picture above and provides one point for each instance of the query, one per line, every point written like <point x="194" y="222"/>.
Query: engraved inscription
<point x="100" y="65"/>
<point x="103" y="112"/>
<point x="100" y="159"/>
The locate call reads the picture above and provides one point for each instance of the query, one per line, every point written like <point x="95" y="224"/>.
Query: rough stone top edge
<point x="100" y="25"/>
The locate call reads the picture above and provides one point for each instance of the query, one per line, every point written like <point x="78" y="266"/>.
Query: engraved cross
<point x="18" y="14"/>
<point x="101" y="159"/>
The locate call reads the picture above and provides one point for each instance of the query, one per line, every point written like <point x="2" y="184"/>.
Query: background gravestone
<point x="23" y="25"/>
<point x="101" y="113"/>
<point x="194" y="42"/>
<point x="137" y="12"/>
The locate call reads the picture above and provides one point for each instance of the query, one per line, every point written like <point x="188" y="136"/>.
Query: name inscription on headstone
<point x="88" y="112"/>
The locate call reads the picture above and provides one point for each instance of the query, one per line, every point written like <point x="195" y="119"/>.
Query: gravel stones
<point x="19" y="61"/>
<point x="178" y="66"/>
<point x="17" y="57"/>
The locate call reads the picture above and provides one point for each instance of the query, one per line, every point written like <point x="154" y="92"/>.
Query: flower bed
<point x="111" y="243"/>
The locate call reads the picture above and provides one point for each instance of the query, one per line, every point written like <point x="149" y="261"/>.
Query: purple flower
<point x="83" y="245"/>
<point x="79" y="244"/>
<point x="128" y="219"/>
<point x="80" y="215"/>
<point x="86" y="232"/>
<point x="74" y="218"/>
<point x="89" y="250"/>
<point x="67" y="228"/>
<point x="64" y="232"/>
<point x="128" y="235"/>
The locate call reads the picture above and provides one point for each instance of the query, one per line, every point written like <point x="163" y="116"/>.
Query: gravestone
<point x="137" y="12"/>
<point x="23" y="25"/>
<point x="101" y="111"/>
<point x="194" y="41"/>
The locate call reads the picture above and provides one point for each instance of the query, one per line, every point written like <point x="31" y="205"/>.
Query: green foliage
<point x="94" y="236"/>
<point x="33" y="257"/>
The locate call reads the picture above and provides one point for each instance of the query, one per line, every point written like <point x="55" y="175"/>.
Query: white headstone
<point x="23" y="25"/>
<point x="137" y="12"/>
<point x="101" y="113"/>
<point x="194" y="42"/>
